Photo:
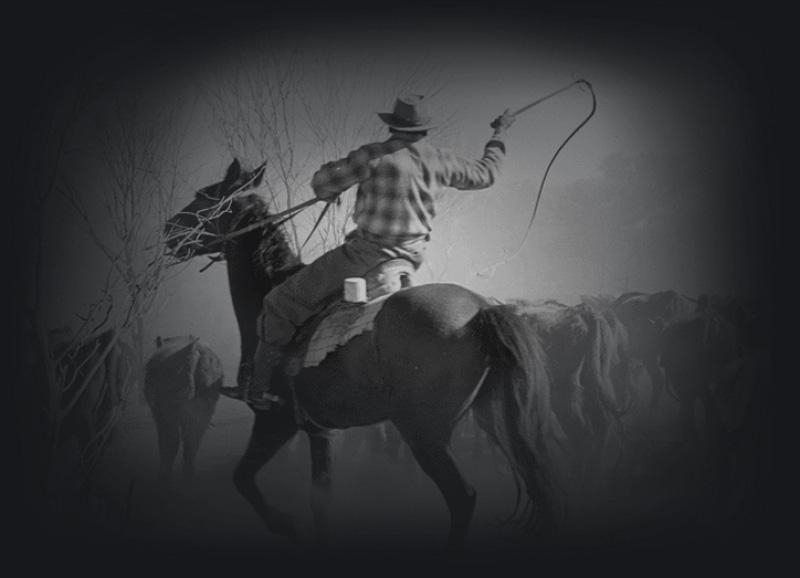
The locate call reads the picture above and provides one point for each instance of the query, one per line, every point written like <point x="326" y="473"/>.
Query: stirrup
<point x="264" y="400"/>
<point x="237" y="392"/>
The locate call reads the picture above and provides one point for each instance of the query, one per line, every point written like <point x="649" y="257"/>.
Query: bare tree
<point x="54" y="382"/>
<point x="42" y="165"/>
<point x="254" y="113"/>
<point x="139" y="150"/>
<point x="74" y="384"/>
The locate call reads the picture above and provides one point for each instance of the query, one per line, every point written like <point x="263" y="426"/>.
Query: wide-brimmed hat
<point x="409" y="114"/>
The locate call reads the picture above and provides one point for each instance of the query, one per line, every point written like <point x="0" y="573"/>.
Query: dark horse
<point x="435" y="351"/>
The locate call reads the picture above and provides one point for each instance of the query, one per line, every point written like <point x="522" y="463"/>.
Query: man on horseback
<point x="397" y="181"/>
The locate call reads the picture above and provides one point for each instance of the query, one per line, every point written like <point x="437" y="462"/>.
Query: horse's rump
<point x="181" y="368"/>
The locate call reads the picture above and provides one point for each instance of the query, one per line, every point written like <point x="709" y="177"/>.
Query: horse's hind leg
<point x="269" y="434"/>
<point x="436" y="459"/>
<point x="168" y="430"/>
<point x="195" y="418"/>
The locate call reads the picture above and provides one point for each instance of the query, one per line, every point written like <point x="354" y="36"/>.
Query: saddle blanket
<point x="347" y="320"/>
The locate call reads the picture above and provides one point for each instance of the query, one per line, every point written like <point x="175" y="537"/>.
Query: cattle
<point x="716" y="366"/>
<point x="618" y="347"/>
<point x="94" y="375"/>
<point x="584" y="359"/>
<point x="704" y="357"/>
<point x="182" y="381"/>
<point x="644" y="316"/>
<point x="70" y="415"/>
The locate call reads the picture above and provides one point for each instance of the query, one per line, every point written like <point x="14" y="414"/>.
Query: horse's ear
<point x="159" y="341"/>
<point x="258" y="175"/>
<point x="232" y="174"/>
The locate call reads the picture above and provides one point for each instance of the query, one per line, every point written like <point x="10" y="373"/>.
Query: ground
<point x="376" y="501"/>
<point x="384" y="505"/>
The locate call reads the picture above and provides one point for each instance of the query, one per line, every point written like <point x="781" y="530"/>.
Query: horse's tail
<point x="513" y="407"/>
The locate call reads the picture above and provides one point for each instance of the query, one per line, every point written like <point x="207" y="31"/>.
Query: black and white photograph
<point x="390" y="288"/>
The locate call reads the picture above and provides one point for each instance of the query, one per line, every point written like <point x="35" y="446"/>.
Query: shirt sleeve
<point x="335" y="177"/>
<point x="464" y="174"/>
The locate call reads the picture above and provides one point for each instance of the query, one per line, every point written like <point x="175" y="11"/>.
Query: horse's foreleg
<point x="268" y="436"/>
<point x="436" y="460"/>
<point x="321" y="463"/>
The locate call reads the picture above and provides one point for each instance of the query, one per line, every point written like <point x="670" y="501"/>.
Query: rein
<point x="278" y="218"/>
<point x="284" y="215"/>
<point x="582" y="82"/>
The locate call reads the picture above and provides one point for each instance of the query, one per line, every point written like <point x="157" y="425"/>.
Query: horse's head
<point x="195" y="229"/>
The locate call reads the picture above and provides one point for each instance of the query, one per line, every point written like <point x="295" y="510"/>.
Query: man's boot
<point x="243" y="380"/>
<point x="267" y="358"/>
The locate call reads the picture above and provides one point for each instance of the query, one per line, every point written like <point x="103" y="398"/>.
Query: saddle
<point x="342" y="320"/>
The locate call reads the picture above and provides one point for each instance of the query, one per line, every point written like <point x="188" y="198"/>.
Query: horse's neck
<point x="247" y="291"/>
<point x="248" y="286"/>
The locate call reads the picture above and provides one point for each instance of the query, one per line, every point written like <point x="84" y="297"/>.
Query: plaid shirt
<point x="398" y="180"/>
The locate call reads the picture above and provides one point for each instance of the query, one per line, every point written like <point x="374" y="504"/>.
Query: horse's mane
<point x="273" y="258"/>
